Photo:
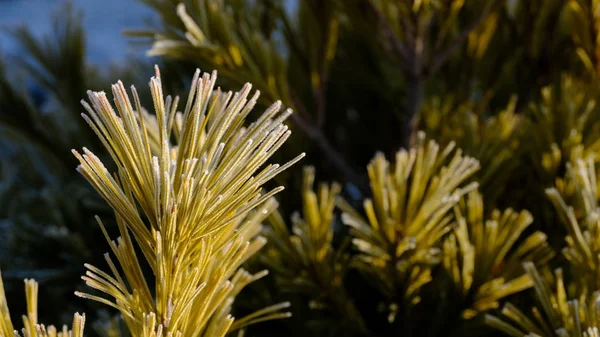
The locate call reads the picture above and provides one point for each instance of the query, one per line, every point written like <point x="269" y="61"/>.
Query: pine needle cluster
<point x="31" y="326"/>
<point x="201" y="205"/>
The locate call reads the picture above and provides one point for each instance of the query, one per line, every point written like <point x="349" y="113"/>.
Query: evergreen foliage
<point x="450" y="187"/>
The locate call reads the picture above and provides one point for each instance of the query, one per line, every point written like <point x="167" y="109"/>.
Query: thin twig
<point x="320" y="100"/>
<point x="291" y="38"/>
<point x="343" y="304"/>
<point x="397" y="45"/>
<point x="319" y="93"/>
<point x="318" y="137"/>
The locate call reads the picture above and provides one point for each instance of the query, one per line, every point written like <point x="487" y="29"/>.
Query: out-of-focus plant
<point x="494" y="140"/>
<point x="46" y="212"/>
<point x="584" y="18"/>
<point x="422" y="36"/>
<point x="563" y="126"/>
<point x="580" y="217"/>
<point x="306" y="262"/>
<point x="424" y="44"/>
<point x="31" y="326"/>
<point x="409" y="213"/>
<point x="571" y="309"/>
<point x="483" y="256"/>
<point x="557" y="313"/>
<point x="409" y="230"/>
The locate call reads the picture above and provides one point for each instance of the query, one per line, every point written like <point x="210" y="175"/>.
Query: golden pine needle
<point x="482" y="255"/>
<point x="31" y="327"/>
<point x="197" y="178"/>
<point x="561" y="310"/>
<point x="408" y="215"/>
<point x="306" y="261"/>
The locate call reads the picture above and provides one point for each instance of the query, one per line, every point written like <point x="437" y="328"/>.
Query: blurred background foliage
<point x="430" y="241"/>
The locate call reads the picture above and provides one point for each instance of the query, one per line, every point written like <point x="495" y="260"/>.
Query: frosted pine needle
<point x="31" y="326"/>
<point x="483" y="254"/>
<point x="408" y="215"/>
<point x="570" y="305"/>
<point x="188" y="192"/>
